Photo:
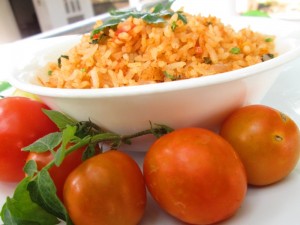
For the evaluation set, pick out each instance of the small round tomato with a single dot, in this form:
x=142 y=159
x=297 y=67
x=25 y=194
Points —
x=58 y=174
x=22 y=122
x=106 y=189
x=267 y=141
x=195 y=175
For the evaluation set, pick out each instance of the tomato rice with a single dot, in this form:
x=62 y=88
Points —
x=138 y=53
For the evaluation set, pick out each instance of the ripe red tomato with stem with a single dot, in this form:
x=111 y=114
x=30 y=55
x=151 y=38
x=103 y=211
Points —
x=267 y=141
x=106 y=189
x=22 y=122
x=195 y=175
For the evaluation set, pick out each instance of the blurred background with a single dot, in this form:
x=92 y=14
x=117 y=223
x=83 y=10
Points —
x=21 y=19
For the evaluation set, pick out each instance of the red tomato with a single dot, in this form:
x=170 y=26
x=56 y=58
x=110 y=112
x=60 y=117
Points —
x=267 y=141
x=106 y=189
x=195 y=175
x=22 y=122
x=58 y=174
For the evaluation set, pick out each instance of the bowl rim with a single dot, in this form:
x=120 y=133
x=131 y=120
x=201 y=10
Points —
x=18 y=79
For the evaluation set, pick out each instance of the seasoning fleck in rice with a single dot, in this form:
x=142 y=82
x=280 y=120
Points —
x=136 y=52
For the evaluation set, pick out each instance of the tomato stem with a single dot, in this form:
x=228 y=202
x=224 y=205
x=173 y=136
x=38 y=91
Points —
x=97 y=136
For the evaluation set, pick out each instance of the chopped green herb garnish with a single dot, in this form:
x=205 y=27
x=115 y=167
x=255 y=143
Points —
x=50 y=72
x=83 y=70
x=182 y=17
x=268 y=39
x=207 y=60
x=156 y=16
x=170 y=76
x=266 y=57
x=59 y=59
x=235 y=50
x=173 y=25
x=98 y=38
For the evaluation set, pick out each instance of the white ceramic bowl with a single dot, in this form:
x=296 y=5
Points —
x=203 y=101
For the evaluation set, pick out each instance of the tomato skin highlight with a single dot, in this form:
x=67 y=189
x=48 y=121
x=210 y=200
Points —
x=267 y=141
x=195 y=175
x=106 y=189
x=22 y=122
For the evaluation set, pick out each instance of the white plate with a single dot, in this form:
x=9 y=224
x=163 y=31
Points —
x=275 y=205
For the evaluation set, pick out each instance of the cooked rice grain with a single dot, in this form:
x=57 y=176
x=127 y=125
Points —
x=140 y=53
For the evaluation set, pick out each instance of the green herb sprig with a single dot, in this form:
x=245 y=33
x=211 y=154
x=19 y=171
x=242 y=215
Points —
x=34 y=200
x=156 y=16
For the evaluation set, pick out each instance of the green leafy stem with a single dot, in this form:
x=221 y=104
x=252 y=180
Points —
x=34 y=200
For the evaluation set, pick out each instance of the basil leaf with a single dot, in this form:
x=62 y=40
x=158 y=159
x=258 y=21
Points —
x=120 y=12
x=152 y=19
x=169 y=4
x=30 y=168
x=107 y=24
x=59 y=156
x=43 y=192
x=46 y=143
x=21 y=210
x=86 y=128
x=67 y=135
x=156 y=16
x=165 y=13
x=159 y=7
x=60 y=119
